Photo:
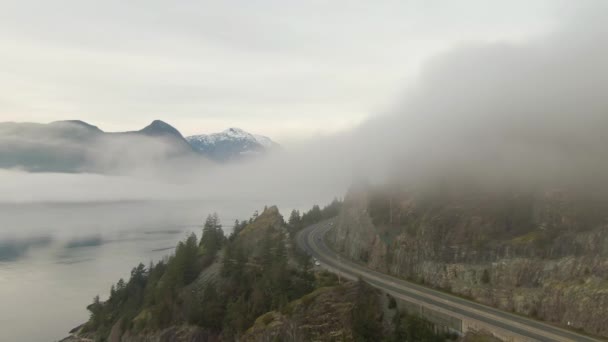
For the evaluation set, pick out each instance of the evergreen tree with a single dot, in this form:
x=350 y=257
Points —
x=120 y=285
x=236 y=319
x=294 y=219
x=212 y=239
x=213 y=313
x=367 y=324
x=191 y=266
x=96 y=313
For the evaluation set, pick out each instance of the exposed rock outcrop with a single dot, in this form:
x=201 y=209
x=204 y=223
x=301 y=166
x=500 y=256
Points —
x=323 y=315
x=543 y=255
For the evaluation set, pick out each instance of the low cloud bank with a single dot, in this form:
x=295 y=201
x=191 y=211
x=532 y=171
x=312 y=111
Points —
x=531 y=113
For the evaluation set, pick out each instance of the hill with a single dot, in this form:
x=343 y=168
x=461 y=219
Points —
x=251 y=286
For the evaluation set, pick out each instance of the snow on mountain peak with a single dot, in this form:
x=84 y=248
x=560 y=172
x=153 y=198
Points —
x=264 y=141
x=230 y=142
x=238 y=133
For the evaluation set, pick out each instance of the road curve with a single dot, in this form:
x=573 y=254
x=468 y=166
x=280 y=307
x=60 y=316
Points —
x=311 y=240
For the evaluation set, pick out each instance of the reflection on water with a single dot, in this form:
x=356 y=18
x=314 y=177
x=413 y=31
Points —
x=54 y=258
x=11 y=250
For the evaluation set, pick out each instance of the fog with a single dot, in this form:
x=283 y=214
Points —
x=528 y=114
x=532 y=112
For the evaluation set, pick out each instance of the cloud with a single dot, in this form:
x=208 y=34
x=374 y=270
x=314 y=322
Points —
x=197 y=63
x=528 y=112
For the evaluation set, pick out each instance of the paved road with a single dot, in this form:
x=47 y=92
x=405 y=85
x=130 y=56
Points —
x=312 y=240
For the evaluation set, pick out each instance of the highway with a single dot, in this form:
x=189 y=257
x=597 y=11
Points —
x=311 y=240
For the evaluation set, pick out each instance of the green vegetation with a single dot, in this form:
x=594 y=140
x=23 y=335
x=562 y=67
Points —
x=225 y=285
x=256 y=276
x=152 y=291
x=366 y=316
x=315 y=215
x=412 y=328
x=212 y=240
x=392 y=303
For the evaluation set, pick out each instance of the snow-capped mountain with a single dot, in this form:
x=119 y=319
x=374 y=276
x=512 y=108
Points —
x=231 y=144
x=75 y=146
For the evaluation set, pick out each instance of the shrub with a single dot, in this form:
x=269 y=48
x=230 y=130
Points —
x=392 y=303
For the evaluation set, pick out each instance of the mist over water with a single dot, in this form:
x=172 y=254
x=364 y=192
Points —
x=55 y=257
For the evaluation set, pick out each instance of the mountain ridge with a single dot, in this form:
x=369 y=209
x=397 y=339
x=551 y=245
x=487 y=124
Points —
x=159 y=127
x=74 y=146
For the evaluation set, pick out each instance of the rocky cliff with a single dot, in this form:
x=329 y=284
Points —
x=323 y=315
x=542 y=254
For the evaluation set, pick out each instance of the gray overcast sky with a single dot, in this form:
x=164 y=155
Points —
x=286 y=69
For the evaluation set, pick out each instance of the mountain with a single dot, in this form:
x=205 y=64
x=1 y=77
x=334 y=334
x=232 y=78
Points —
x=231 y=144
x=57 y=147
x=79 y=123
x=160 y=128
x=76 y=146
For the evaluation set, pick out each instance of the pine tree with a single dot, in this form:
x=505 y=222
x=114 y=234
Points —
x=120 y=285
x=294 y=219
x=213 y=313
x=213 y=236
x=191 y=269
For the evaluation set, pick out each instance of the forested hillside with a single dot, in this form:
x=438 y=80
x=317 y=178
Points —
x=252 y=285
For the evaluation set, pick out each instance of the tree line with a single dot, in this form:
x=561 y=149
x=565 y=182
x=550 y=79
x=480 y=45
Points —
x=315 y=215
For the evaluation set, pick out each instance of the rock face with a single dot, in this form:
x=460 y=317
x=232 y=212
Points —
x=543 y=255
x=323 y=315
x=172 y=334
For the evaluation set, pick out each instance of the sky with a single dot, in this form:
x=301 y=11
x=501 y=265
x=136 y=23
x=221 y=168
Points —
x=289 y=70
x=504 y=113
